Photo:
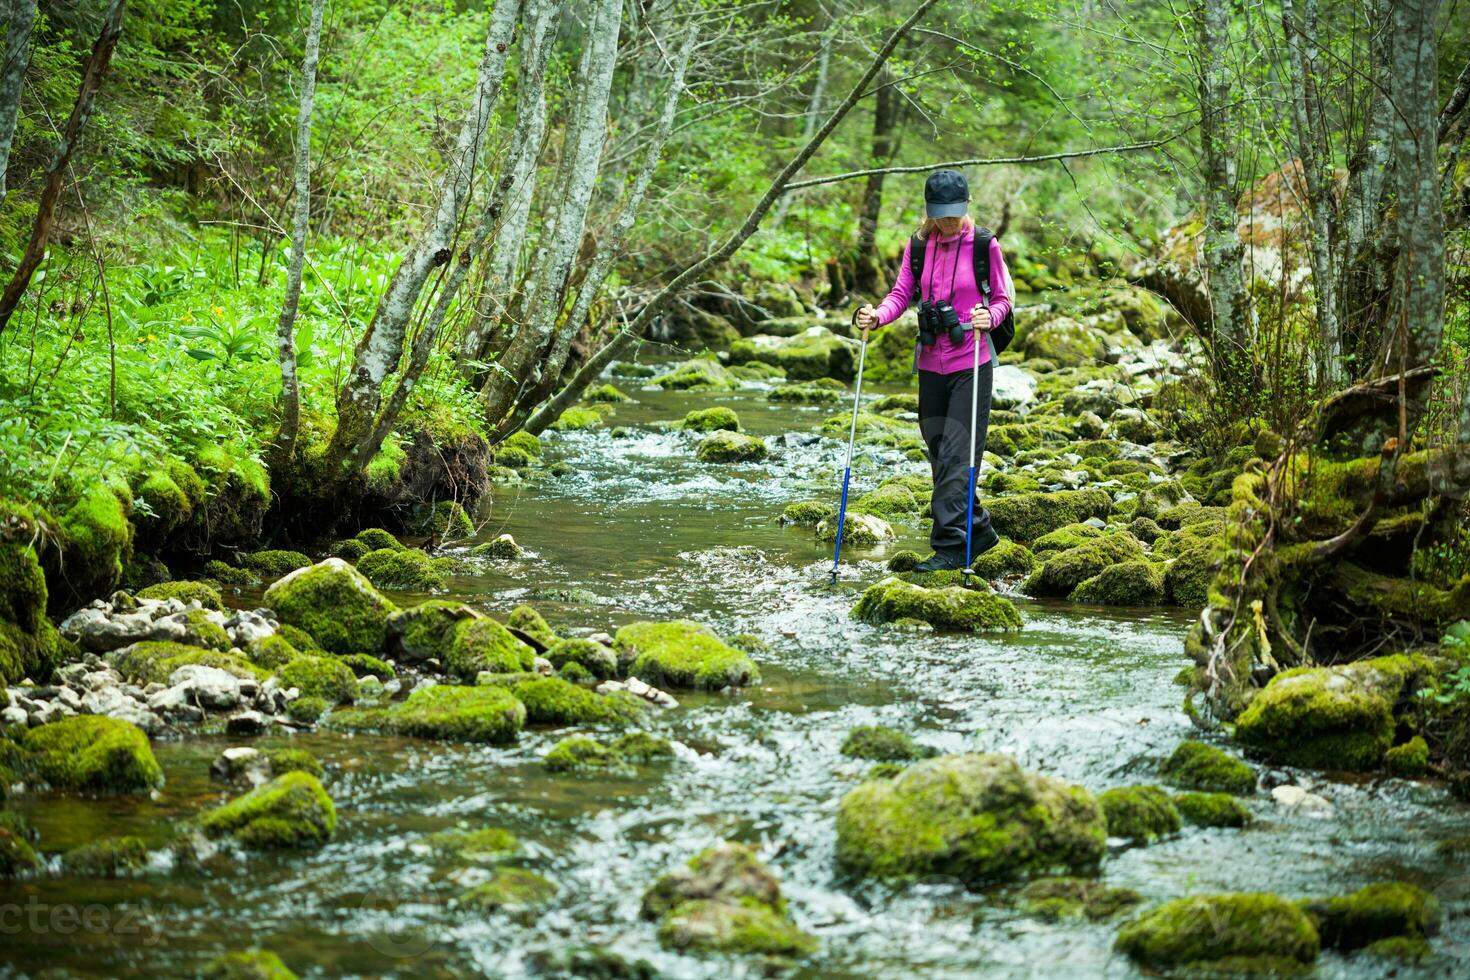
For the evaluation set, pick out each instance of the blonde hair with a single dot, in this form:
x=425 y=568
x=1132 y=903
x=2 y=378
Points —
x=927 y=226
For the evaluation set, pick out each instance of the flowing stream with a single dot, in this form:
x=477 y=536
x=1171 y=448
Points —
x=641 y=530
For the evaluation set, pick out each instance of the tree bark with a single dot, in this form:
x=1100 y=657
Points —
x=20 y=17
x=381 y=347
x=286 y=327
x=71 y=135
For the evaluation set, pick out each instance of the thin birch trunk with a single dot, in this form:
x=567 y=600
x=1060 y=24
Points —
x=594 y=365
x=20 y=17
x=813 y=114
x=286 y=327
x=381 y=347
x=55 y=178
x=553 y=265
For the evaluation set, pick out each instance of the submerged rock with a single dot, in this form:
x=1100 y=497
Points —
x=484 y=845
x=975 y=817
x=336 y=604
x=952 y=608
x=808 y=513
x=1195 y=765
x=106 y=858
x=1234 y=933
x=883 y=744
x=16 y=854
x=684 y=654
x=730 y=447
x=292 y=810
x=857 y=529
x=1059 y=898
x=1379 y=911
x=510 y=889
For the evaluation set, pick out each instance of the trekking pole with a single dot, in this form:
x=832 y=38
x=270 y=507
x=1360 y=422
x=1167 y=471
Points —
x=969 y=570
x=851 y=439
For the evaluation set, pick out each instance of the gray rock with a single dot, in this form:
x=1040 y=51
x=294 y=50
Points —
x=100 y=633
x=1096 y=522
x=236 y=761
x=13 y=715
x=798 y=439
x=246 y=626
x=247 y=723
x=1012 y=387
x=68 y=697
x=208 y=687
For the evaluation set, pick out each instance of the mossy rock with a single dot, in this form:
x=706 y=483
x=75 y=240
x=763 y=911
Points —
x=554 y=701
x=1004 y=559
x=202 y=592
x=307 y=710
x=170 y=494
x=579 y=753
x=501 y=546
x=274 y=564
x=872 y=429
x=598 y=660
x=409 y=569
x=94 y=754
x=1408 y=760
x=1129 y=583
x=1188 y=578
x=529 y=621
x=336 y=604
x=858 y=529
x=903 y=562
x=363 y=665
x=1066 y=538
x=292 y=810
x=700 y=373
x=1379 y=911
x=683 y=654
x=320 y=677
x=1139 y=813
x=106 y=858
x=229 y=576
x=96 y=541
x=252 y=964
x=1064 y=341
x=349 y=550
x=1400 y=949
x=444 y=712
x=1212 y=810
x=29 y=655
x=605 y=392
x=952 y=608
x=201 y=631
x=880 y=743
x=1330 y=717
x=642 y=747
x=485 y=845
x=299 y=638
x=820 y=391
x=293 y=760
x=16 y=854
x=376 y=538
x=1062 y=572
x=716 y=419
x=425 y=631
x=1197 y=766
x=730 y=447
x=1027 y=516
x=1228 y=929
x=239 y=494
x=154 y=661
x=977 y=818
x=890 y=500
x=739 y=929
x=510 y=889
x=1064 y=898
x=445 y=519
x=724 y=900
x=814 y=353
x=483 y=644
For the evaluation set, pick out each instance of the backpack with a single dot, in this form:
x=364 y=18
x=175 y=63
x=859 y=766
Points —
x=1002 y=333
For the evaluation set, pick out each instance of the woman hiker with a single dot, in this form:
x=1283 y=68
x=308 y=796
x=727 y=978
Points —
x=945 y=358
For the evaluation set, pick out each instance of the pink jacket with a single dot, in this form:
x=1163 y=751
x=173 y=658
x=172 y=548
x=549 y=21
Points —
x=949 y=274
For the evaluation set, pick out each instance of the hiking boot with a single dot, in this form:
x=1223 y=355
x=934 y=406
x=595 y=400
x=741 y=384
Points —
x=984 y=542
x=940 y=562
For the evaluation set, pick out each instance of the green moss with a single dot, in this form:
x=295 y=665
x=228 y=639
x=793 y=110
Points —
x=483 y=644
x=106 y=858
x=385 y=470
x=270 y=652
x=730 y=447
x=718 y=418
x=229 y=576
x=1130 y=583
x=1005 y=558
x=577 y=418
x=16 y=854
x=1330 y=717
x=299 y=638
x=292 y=810
x=1401 y=949
x=376 y=538
x=858 y=529
x=1190 y=575
x=820 y=391
x=92 y=753
x=1140 y=813
x=592 y=657
x=238 y=493
x=684 y=654
x=700 y=373
x=274 y=564
x=872 y=429
x=889 y=501
x=32 y=655
x=408 y=569
x=976 y=817
x=642 y=747
x=293 y=760
x=1065 y=538
x=154 y=661
x=459 y=714
x=485 y=845
x=605 y=392
x=307 y=710
x=1026 y=517
x=1379 y=911
x=350 y=549
x=163 y=504
x=554 y=701
x=953 y=608
x=1062 y=898
x=529 y=621
x=1195 y=765
x=96 y=540
x=1212 y=810
x=206 y=595
x=335 y=604
x=23 y=593
x=1196 y=932
x=320 y=677
x=879 y=743
x=425 y=631
x=1409 y=759
x=510 y=888
x=1063 y=571
x=580 y=753
x=904 y=561
x=363 y=665
x=254 y=964
x=733 y=927
x=445 y=519
x=808 y=513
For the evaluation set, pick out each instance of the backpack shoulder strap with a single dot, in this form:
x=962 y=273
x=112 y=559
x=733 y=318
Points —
x=917 y=246
x=980 y=252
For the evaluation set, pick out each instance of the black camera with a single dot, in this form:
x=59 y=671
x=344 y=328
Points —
x=935 y=318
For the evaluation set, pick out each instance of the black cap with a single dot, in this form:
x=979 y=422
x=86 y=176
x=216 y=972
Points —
x=946 y=194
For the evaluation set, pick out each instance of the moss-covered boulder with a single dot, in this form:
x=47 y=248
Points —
x=975 y=817
x=1064 y=341
x=808 y=513
x=952 y=608
x=106 y=858
x=532 y=623
x=483 y=644
x=485 y=845
x=858 y=529
x=730 y=447
x=1379 y=911
x=501 y=546
x=336 y=604
x=274 y=564
x=889 y=500
x=580 y=753
x=201 y=592
x=445 y=712
x=716 y=419
x=408 y=569
x=642 y=747
x=1063 y=571
x=1129 y=583
x=1195 y=765
x=94 y=754
x=683 y=654
x=249 y=964
x=819 y=391
x=1212 y=810
x=1408 y=760
x=598 y=660
x=321 y=677
x=424 y=632
x=1004 y=559
x=96 y=540
x=1331 y=717
x=814 y=353
x=882 y=744
x=230 y=577
x=1064 y=898
x=1232 y=933
x=555 y=701
x=510 y=889
x=1027 y=516
x=699 y=373
x=443 y=519
x=292 y=810
x=1065 y=538
x=724 y=900
x=154 y=661
x=1139 y=813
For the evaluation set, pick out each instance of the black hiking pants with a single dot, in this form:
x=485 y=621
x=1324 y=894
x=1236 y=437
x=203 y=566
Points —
x=944 y=425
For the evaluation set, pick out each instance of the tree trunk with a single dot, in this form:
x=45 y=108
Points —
x=20 y=17
x=286 y=327
x=813 y=112
x=578 y=174
x=886 y=113
x=381 y=347
x=71 y=135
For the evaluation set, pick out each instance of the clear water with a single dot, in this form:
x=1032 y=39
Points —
x=1082 y=693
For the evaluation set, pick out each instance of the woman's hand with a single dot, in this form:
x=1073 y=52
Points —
x=980 y=317
x=867 y=319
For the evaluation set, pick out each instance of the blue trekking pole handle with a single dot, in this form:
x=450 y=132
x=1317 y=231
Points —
x=851 y=439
